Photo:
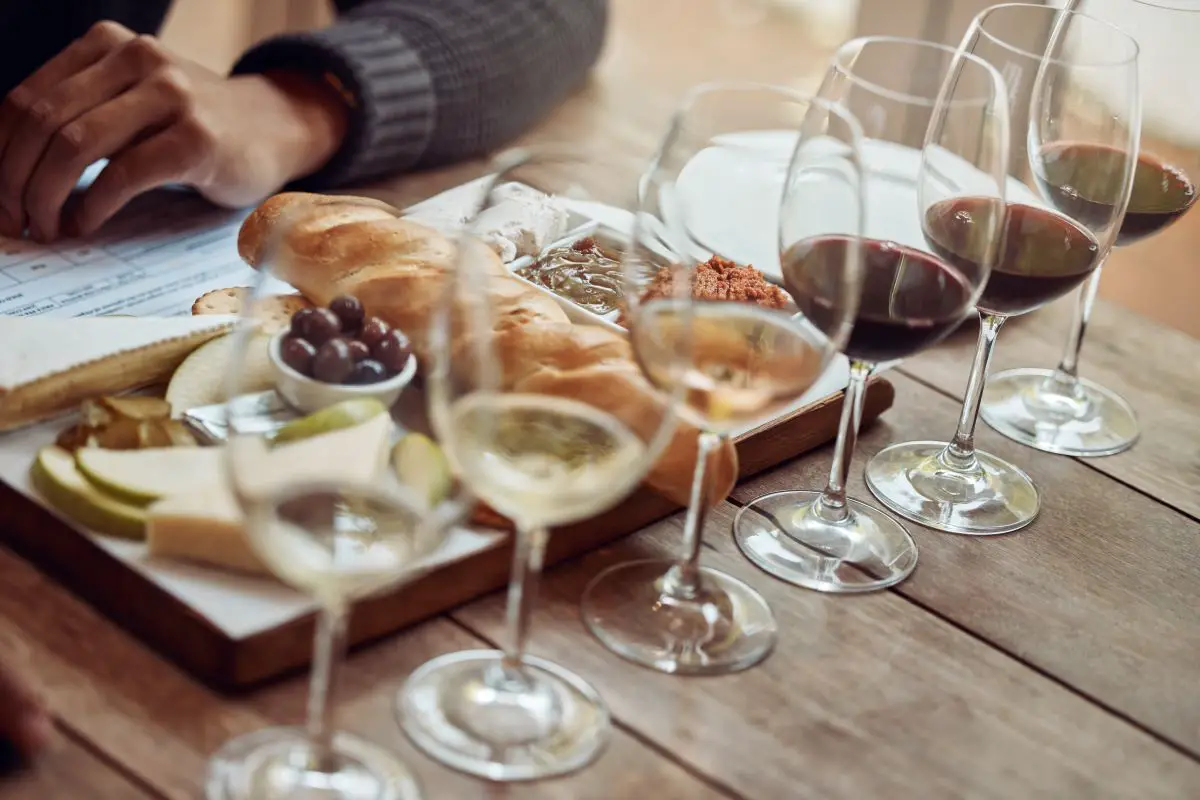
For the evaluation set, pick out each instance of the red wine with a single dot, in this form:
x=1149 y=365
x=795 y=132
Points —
x=909 y=299
x=1083 y=180
x=1042 y=255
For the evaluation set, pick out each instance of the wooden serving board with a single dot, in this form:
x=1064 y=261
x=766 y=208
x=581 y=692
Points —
x=181 y=634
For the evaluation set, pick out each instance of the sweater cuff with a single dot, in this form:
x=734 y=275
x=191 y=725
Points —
x=388 y=90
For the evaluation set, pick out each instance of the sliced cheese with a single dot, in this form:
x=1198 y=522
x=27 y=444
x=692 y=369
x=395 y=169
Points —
x=207 y=525
x=50 y=365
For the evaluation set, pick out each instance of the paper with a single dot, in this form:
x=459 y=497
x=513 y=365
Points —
x=154 y=258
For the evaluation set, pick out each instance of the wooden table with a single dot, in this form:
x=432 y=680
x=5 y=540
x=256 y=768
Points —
x=1059 y=662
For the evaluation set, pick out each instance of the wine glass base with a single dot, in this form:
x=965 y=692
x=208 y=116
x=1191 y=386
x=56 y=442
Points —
x=1095 y=421
x=913 y=480
x=466 y=711
x=726 y=627
x=278 y=764
x=782 y=535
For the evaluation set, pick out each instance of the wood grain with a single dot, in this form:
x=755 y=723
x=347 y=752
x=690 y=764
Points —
x=864 y=697
x=1101 y=591
x=1155 y=368
x=70 y=771
x=145 y=714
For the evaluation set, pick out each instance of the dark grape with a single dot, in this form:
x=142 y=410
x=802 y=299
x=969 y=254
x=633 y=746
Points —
x=368 y=371
x=321 y=326
x=358 y=350
x=349 y=311
x=393 y=351
x=297 y=353
x=333 y=363
x=373 y=331
x=300 y=321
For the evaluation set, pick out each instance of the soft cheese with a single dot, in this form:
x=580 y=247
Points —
x=49 y=365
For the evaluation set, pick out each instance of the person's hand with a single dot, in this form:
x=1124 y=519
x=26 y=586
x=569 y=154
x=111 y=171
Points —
x=159 y=119
x=24 y=720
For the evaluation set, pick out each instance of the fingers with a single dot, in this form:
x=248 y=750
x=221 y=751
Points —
x=183 y=153
x=99 y=133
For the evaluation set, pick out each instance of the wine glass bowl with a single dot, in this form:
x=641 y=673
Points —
x=546 y=420
x=324 y=510
x=934 y=126
x=1056 y=410
x=1057 y=226
x=742 y=349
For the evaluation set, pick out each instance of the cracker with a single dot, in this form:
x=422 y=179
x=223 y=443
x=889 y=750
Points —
x=275 y=311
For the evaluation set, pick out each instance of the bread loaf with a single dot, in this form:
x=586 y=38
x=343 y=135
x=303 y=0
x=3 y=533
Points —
x=327 y=246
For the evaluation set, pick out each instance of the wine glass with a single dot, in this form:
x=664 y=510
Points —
x=944 y=116
x=1056 y=410
x=547 y=420
x=1045 y=251
x=312 y=475
x=711 y=195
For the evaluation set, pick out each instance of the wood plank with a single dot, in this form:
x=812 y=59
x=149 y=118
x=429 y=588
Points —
x=145 y=714
x=864 y=697
x=70 y=771
x=1100 y=592
x=1155 y=368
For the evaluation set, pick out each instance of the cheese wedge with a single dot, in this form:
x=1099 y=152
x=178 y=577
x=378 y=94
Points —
x=49 y=365
x=207 y=525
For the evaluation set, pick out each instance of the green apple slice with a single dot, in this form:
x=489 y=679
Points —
x=421 y=465
x=140 y=477
x=55 y=476
x=345 y=414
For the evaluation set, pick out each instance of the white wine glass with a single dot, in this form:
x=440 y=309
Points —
x=547 y=420
x=1056 y=410
x=955 y=142
x=712 y=194
x=323 y=506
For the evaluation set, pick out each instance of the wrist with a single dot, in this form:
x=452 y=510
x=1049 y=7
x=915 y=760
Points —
x=311 y=122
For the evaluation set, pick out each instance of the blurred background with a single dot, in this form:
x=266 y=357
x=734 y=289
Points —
x=658 y=48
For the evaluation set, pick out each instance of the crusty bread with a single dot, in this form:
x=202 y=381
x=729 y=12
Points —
x=327 y=246
x=274 y=312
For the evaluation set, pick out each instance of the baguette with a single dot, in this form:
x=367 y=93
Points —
x=395 y=267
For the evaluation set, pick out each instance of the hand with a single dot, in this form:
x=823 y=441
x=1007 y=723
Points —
x=23 y=717
x=159 y=119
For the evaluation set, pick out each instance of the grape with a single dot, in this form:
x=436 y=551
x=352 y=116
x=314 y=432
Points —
x=393 y=351
x=358 y=350
x=333 y=363
x=297 y=354
x=300 y=321
x=321 y=326
x=348 y=311
x=373 y=331
x=368 y=371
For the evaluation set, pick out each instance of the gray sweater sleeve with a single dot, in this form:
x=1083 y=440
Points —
x=433 y=81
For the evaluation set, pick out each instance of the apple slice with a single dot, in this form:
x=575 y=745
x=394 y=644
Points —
x=201 y=379
x=140 y=477
x=55 y=476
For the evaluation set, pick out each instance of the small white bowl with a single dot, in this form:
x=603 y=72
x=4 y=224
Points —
x=310 y=395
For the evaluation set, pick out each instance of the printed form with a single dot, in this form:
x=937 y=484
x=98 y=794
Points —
x=155 y=258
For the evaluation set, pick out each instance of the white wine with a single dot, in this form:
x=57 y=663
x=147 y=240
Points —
x=543 y=460
x=736 y=362
x=338 y=544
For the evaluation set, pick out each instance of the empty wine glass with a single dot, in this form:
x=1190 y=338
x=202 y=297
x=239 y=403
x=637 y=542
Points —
x=323 y=507
x=549 y=422
x=711 y=193
x=934 y=118
x=1045 y=250
x=1056 y=410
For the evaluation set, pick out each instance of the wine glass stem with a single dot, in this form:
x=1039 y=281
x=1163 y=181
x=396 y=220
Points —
x=529 y=554
x=1068 y=368
x=683 y=579
x=328 y=652
x=831 y=505
x=960 y=452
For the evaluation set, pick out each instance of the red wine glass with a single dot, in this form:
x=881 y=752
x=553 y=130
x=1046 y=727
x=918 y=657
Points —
x=935 y=126
x=1056 y=410
x=1046 y=249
